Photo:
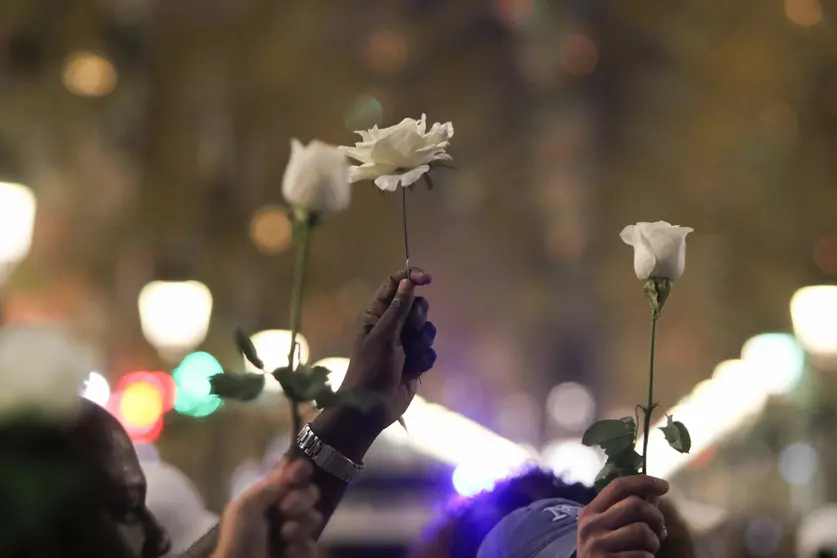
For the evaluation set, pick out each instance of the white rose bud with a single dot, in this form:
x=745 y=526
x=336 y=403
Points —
x=659 y=249
x=401 y=154
x=317 y=178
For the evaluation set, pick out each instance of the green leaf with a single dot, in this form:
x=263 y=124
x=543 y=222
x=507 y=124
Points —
x=296 y=385
x=246 y=347
x=609 y=473
x=677 y=435
x=612 y=435
x=319 y=375
x=242 y=387
x=627 y=459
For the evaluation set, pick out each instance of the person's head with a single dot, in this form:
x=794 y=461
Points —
x=465 y=526
x=75 y=488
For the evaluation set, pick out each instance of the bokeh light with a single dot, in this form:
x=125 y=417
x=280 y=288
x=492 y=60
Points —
x=798 y=463
x=804 y=13
x=469 y=479
x=573 y=461
x=762 y=536
x=825 y=254
x=338 y=366
x=814 y=314
x=578 y=55
x=175 y=314
x=89 y=75
x=777 y=359
x=96 y=389
x=17 y=220
x=193 y=388
x=365 y=112
x=571 y=406
x=386 y=52
x=141 y=406
x=271 y=230
x=515 y=13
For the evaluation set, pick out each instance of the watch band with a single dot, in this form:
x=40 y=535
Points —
x=326 y=457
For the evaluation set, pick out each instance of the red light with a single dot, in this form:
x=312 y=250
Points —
x=151 y=436
x=169 y=387
x=140 y=400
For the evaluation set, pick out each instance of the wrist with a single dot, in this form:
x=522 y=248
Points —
x=347 y=430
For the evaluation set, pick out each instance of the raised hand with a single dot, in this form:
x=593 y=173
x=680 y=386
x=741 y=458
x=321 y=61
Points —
x=394 y=346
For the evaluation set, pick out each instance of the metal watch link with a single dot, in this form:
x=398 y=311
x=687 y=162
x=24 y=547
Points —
x=326 y=457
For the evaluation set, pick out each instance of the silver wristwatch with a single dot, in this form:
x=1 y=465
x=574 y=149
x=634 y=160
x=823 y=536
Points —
x=326 y=457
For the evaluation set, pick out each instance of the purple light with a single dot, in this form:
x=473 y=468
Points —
x=471 y=479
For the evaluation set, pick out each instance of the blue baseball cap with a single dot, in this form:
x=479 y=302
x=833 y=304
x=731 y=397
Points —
x=545 y=529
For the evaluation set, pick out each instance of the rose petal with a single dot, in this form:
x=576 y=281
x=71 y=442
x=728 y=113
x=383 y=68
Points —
x=359 y=154
x=369 y=171
x=390 y=182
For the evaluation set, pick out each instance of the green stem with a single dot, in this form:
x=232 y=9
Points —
x=650 y=408
x=303 y=246
x=404 y=224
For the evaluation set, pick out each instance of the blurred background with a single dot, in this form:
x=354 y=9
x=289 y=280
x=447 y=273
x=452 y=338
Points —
x=142 y=145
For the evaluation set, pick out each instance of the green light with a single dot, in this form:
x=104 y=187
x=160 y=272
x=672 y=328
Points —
x=192 y=378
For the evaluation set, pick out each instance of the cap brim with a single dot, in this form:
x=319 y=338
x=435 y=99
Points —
x=562 y=547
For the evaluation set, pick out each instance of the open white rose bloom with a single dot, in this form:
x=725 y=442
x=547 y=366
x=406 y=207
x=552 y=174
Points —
x=399 y=155
x=317 y=178
x=42 y=372
x=659 y=249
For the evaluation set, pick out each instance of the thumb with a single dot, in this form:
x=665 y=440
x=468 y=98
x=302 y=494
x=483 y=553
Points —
x=395 y=316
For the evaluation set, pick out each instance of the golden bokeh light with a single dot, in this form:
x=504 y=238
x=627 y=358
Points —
x=825 y=254
x=386 y=52
x=89 y=75
x=271 y=230
x=578 y=55
x=805 y=13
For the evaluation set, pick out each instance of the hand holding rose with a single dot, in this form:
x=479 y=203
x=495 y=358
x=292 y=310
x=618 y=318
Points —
x=621 y=522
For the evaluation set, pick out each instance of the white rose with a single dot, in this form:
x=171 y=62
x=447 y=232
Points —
x=42 y=372
x=317 y=178
x=400 y=154
x=659 y=249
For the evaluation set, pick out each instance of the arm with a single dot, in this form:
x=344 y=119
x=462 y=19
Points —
x=349 y=432
x=393 y=349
